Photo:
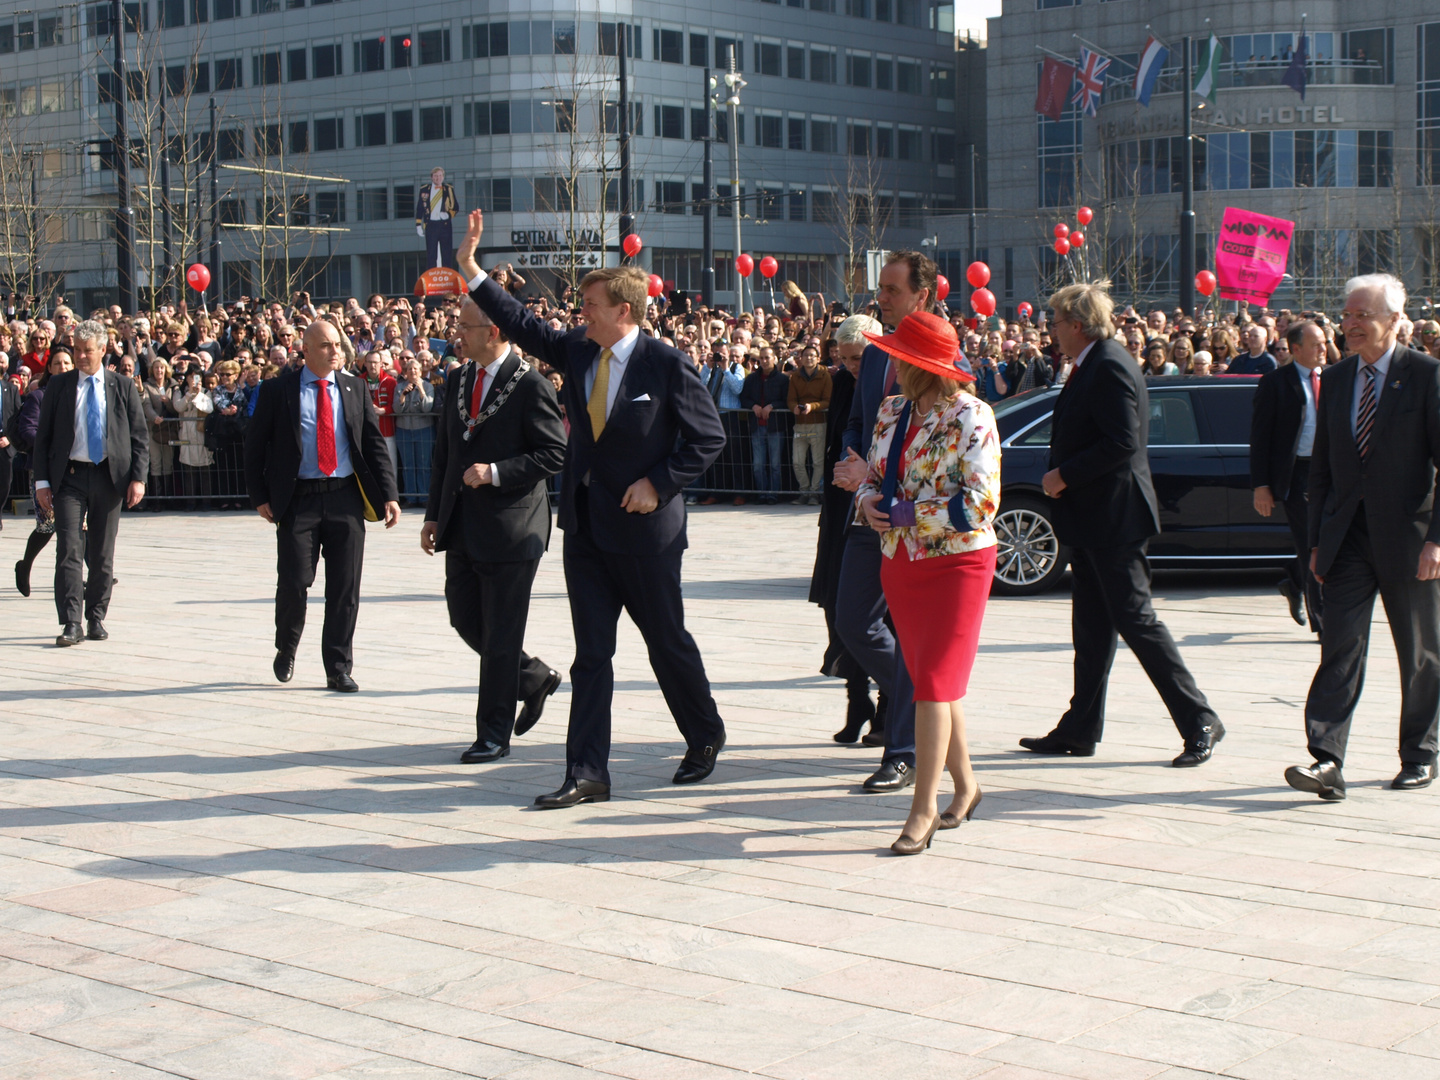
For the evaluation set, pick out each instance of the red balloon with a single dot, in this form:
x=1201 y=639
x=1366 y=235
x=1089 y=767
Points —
x=768 y=267
x=978 y=274
x=1084 y=214
x=1076 y=238
x=1061 y=231
x=942 y=286
x=657 y=285
x=983 y=301
x=1062 y=246
x=1205 y=282
x=744 y=265
x=1025 y=309
x=198 y=275
x=632 y=245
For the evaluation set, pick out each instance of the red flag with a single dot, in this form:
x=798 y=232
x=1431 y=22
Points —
x=1055 y=80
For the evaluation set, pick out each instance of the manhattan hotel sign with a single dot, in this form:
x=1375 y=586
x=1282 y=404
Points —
x=1257 y=116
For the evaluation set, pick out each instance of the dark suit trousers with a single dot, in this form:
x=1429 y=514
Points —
x=1111 y=599
x=84 y=492
x=647 y=587
x=331 y=523
x=439 y=244
x=1297 y=509
x=860 y=611
x=489 y=603
x=1413 y=610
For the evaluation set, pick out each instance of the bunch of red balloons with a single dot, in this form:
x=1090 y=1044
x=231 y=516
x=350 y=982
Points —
x=1066 y=239
x=982 y=299
x=745 y=266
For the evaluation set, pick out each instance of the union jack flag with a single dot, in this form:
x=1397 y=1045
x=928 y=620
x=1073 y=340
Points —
x=1090 y=77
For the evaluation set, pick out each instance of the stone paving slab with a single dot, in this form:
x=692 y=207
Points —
x=206 y=874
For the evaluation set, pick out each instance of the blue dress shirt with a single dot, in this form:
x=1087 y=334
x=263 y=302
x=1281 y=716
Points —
x=309 y=461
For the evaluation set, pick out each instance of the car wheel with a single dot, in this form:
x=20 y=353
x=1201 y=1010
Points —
x=1030 y=558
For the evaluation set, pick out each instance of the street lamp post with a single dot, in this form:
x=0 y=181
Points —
x=1187 y=194
x=124 y=216
x=707 y=205
x=733 y=85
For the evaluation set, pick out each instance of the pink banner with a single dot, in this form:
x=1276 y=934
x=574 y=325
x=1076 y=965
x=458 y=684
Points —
x=1251 y=255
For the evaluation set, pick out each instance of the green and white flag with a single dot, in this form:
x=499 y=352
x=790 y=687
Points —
x=1209 y=70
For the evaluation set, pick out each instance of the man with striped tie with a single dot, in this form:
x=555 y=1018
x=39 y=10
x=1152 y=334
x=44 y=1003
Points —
x=1373 y=529
x=643 y=429
x=316 y=468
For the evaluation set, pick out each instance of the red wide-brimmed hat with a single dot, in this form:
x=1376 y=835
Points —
x=928 y=342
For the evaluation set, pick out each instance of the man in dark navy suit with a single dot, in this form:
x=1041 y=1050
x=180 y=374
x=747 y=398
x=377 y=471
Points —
x=907 y=282
x=643 y=428
x=1282 y=438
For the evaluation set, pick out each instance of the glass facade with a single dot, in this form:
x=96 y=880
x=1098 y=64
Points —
x=1250 y=160
x=1427 y=105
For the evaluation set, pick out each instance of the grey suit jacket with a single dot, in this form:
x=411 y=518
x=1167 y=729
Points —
x=1396 y=481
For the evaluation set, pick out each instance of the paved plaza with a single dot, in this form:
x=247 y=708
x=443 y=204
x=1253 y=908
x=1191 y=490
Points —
x=207 y=874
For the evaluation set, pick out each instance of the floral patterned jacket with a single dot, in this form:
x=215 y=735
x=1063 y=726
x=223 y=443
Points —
x=955 y=453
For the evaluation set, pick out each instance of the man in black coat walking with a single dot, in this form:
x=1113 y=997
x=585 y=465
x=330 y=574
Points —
x=500 y=438
x=643 y=429
x=1373 y=528
x=1282 y=439
x=316 y=467
x=92 y=451
x=1105 y=510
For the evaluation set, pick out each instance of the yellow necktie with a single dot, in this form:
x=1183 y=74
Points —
x=598 y=392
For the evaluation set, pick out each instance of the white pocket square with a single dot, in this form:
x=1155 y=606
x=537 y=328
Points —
x=642 y=397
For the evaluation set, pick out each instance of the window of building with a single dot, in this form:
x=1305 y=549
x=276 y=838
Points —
x=200 y=78
x=225 y=9
x=299 y=136
x=435 y=123
x=795 y=133
x=404 y=125
x=827 y=6
x=669 y=46
x=404 y=202
x=401 y=47
x=767 y=57
x=857 y=69
x=295 y=65
x=372 y=204
x=176 y=80
x=267 y=140
x=434 y=47
x=669 y=122
x=609 y=38
x=330 y=133
x=795 y=206
x=1427 y=111
x=823 y=136
x=325 y=62
x=227 y=74
x=265 y=69
x=171 y=13
x=699 y=124
x=199 y=11
x=907 y=77
x=907 y=143
x=262 y=7
x=822 y=65
x=770 y=131
x=794 y=61
x=232 y=212
x=723 y=47
x=564 y=38
x=231 y=144
x=699 y=50
x=329 y=207
x=942 y=81
x=942 y=147
x=670 y=196
x=825 y=207
x=370 y=55
x=370 y=129
x=884 y=73
x=884 y=142
x=859 y=140
x=1059 y=148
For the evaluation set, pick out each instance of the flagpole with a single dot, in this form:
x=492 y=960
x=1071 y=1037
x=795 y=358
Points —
x=1187 y=192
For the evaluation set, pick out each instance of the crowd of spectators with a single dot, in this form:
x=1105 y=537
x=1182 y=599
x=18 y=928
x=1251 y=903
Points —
x=768 y=369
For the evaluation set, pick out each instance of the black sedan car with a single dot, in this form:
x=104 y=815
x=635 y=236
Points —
x=1200 y=461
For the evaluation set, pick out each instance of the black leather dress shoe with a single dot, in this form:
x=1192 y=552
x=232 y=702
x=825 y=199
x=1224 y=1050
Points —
x=1199 y=749
x=573 y=793
x=73 y=634
x=1413 y=776
x=482 y=751
x=22 y=577
x=1296 y=599
x=95 y=630
x=1323 y=778
x=284 y=666
x=696 y=765
x=342 y=682
x=535 y=704
x=1056 y=744
x=891 y=776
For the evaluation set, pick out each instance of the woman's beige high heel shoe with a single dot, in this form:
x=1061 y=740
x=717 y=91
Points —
x=952 y=821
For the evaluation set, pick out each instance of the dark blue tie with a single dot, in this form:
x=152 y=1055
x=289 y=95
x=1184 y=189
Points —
x=94 y=429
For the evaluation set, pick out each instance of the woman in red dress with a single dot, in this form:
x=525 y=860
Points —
x=932 y=493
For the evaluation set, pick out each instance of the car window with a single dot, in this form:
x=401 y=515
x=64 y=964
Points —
x=1172 y=420
x=1039 y=435
x=1228 y=409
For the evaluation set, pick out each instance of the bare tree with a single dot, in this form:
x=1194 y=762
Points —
x=861 y=214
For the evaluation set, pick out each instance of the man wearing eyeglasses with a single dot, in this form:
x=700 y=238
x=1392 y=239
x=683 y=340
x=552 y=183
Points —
x=1372 y=530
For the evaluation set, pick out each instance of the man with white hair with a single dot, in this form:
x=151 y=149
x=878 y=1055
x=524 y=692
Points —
x=1373 y=529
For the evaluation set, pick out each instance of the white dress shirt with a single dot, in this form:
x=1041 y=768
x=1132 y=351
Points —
x=1382 y=369
x=80 y=448
x=1081 y=358
x=437 y=204
x=487 y=376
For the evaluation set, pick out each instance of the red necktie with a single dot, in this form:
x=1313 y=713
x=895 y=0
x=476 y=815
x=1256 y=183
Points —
x=1315 y=383
x=324 y=429
x=477 y=394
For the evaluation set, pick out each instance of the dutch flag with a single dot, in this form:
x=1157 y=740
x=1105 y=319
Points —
x=1152 y=59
